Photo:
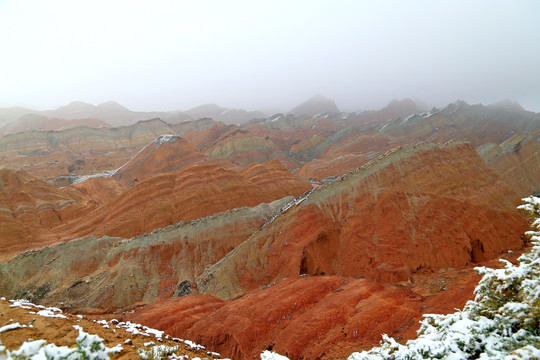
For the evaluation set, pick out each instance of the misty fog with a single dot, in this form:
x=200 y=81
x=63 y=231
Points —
x=168 y=55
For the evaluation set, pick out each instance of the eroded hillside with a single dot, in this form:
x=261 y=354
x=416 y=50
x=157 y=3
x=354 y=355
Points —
x=310 y=233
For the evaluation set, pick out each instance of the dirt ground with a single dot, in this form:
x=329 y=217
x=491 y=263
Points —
x=60 y=331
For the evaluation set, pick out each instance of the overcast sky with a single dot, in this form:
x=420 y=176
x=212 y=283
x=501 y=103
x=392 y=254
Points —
x=167 y=55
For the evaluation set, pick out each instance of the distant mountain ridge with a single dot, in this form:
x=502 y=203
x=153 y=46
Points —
x=228 y=116
x=110 y=111
x=314 y=106
x=113 y=114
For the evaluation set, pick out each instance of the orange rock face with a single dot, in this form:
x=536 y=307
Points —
x=29 y=211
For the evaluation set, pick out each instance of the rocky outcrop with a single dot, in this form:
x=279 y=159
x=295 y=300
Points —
x=107 y=274
x=345 y=151
x=275 y=179
x=517 y=161
x=204 y=139
x=413 y=209
x=168 y=153
x=242 y=147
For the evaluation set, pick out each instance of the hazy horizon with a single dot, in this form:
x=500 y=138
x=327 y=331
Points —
x=270 y=56
x=268 y=112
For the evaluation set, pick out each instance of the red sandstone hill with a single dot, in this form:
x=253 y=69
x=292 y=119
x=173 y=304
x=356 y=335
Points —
x=110 y=111
x=478 y=124
x=233 y=143
x=345 y=151
x=99 y=191
x=228 y=116
x=349 y=148
x=204 y=139
x=411 y=210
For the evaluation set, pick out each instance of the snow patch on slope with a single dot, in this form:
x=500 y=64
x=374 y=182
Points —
x=270 y=355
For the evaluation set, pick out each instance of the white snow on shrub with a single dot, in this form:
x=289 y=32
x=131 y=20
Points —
x=192 y=345
x=503 y=322
x=157 y=352
x=271 y=355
